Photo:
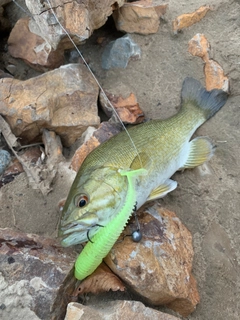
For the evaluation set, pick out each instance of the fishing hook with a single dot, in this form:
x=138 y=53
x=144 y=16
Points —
x=96 y=225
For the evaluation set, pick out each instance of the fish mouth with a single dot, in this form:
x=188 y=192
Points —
x=73 y=233
x=71 y=227
x=74 y=239
x=76 y=231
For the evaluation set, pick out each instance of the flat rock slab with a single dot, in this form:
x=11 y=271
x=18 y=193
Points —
x=36 y=276
x=142 y=17
x=115 y=310
x=63 y=100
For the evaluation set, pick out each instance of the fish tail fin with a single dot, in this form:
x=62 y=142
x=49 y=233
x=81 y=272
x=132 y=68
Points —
x=208 y=102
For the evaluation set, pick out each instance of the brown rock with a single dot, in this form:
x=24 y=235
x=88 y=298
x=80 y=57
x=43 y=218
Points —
x=114 y=310
x=127 y=108
x=159 y=267
x=105 y=131
x=140 y=16
x=188 y=19
x=79 y=18
x=199 y=46
x=25 y=44
x=214 y=74
x=36 y=276
x=215 y=77
x=63 y=100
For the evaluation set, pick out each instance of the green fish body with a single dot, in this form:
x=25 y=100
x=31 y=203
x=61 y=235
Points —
x=161 y=147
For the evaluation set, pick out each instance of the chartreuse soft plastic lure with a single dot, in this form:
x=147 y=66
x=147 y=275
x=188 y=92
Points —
x=102 y=242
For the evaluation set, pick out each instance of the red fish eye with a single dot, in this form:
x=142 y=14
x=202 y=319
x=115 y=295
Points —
x=81 y=201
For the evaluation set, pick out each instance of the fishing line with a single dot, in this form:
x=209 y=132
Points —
x=19 y=6
x=93 y=75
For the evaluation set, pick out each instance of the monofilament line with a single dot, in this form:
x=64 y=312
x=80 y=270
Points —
x=18 y=5
x=100 y=87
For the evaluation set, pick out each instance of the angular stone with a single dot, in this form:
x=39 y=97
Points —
x=214 y=74
x=5 y=74
x=5 y=159
x=79 y=18
x=128 y=108
x=159 y=267
x=140 y=16
x=118 y=53
x=199 y=46
x=28 y=45
x=215 y=77
x=36 y=276
x=114 y=310
x=188 y=19
x=105 y=131
x=63 y=100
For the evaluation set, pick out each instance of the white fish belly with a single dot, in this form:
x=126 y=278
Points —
x=159 y=174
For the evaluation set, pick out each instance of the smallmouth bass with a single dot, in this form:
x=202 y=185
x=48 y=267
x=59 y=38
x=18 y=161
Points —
x=99 y=190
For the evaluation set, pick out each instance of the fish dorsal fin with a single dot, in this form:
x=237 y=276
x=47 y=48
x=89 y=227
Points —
x=159 y=192
x=142 y=160
x=201 y=150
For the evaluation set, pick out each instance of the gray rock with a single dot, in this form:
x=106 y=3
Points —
x=36 y=276
x=5 y=158
x=118 y=53
x=114 y=310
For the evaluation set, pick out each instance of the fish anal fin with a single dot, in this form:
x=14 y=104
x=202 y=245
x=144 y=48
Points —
x=142 y=160
x=160 y=192
x=201 y=150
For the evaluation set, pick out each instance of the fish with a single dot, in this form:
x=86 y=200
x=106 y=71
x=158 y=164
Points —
x=161 y=147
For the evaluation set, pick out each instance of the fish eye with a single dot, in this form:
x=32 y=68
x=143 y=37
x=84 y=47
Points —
x=81 y=200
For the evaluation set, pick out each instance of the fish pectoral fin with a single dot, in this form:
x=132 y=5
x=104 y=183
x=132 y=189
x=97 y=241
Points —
x=160 y=192
x=201 y=150
x=142 y=160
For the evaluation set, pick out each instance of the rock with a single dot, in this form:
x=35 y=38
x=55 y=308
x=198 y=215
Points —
x=63 y=100
x=5 y=75
x=118 y=53
x=36 y=276
x=30 y=155
x=5 y=159
x=215 y=77
x=79 y=18
x=114 y=310
x=214 y=74
x=188 y=19
x=30 y=46
x=41 y=41
x=4 y=22
x=105 y=131
x=140 y=16
x=159 y=267
x=199 y=46
x=127 y=108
